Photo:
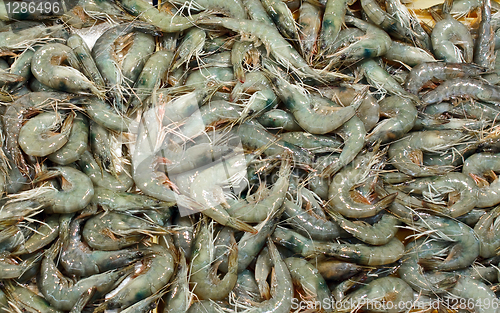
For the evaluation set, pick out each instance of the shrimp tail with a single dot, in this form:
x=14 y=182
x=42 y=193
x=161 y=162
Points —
x=46 y=176
x=386 y=201
x=239 y=225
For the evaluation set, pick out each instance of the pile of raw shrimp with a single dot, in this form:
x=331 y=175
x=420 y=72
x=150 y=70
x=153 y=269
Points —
x=249 y=156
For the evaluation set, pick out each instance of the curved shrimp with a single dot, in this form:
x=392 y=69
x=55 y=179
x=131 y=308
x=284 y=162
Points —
x=435 y=282
x=459 y=87
x=487 y=229
x=77 y=191
x=339 y=195
x=177 y=299
x=462 y=189
x=481 y=165
x=37 y=137
x=155 y=273
x=49 y=67
x=379 y=233
x=407 y=154
x=446 y=35
x=207 y=285
x=62 y=293
x=77 y=142
x=478 y=292
x=78 y=259
x=262 y=99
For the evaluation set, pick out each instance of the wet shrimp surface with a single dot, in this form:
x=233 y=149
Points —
x=250 y=156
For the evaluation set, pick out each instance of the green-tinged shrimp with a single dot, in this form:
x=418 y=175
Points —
x=484 y=48
x=406 y=54
x=101 y=178
x=77 y=191
x=238 y=54
x=152 y=74
x=459 y=87
x=282 y=17
x=401 y=116
x=207 y=285
x=463 y=245
x=344 y=95
x=460 y=188
x=431 y=282
x=386 y=293
x=379 y=233
x=100 y=144
x=77 y=142
x=378 y=77
x=281 y=288
x=126 y=202
x=44 y=235
x=246 y=289
x=82 y=52
x=469 y=289
x=256 y=12
x=256 y=208
x=279 y=119
x=57 y=66
x=137 y=53
x=339 y=194
x=422 y=73
x=11 y=269
x=78 y=259
x=11 y=238
x=314 y=143
x=155 y=273
x=309 y=25
x=262 y=95
x=62 y=293
x=102 y=113
x=115 y=230
x=407 y=154
x=22 y=64
x=38 y=138
x=178 y=299
x=416 y=35
x=191 y=44
x=164 y=21
x=309 y=279
x=184 y=234
x=21 y=39
x=333 y=19
x=487 y=229
x=283 y=52
x=23 y=299
x=309 y=224
x=447 y=34
x=313 y=116
x=481 y=165
x=374 y=43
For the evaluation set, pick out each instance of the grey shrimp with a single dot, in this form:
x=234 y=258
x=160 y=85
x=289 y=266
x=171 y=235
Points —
x=459 y=87
x=462 y=188
x=62 y=293
x=48 y=66
x=484 y=49
x=310 y=25
x=401 y=116
x=446 y=35
x=207 y=285
x=435 y=282
x=78 y=259
x=479 y=166
x=77 y=142
x=333 y=18
x=422 y=73
x=487 y=229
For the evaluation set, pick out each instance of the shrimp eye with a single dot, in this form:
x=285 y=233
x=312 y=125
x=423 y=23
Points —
x=416 y=217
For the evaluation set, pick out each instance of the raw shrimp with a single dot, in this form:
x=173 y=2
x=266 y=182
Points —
x=44 y=235
x=339 y=194
x=333 y=19
x=87 y=63
x=22 y=298
x=77 y=142
x=458 y=87
x=487 y=229
x=56 y=66
x=407 y=153
x=469 y=289
x=447 y=34
x=401 y=114
x=261 y=100
x=78 y=259
x=126 y=202
x=282 y=17
x=481 y=165
x=461 y=189
x=155 y=273
x=388 y=292
x=308 y=277
x=310 y=25
x=379 y=233
x=484 y=48
x=333 y=269
x=37 y=136
x=435 y=282
x=62 y=293
x=113 y=230
x=406 y=54
x=177 y=300
x=208 y=286
x=314 y=117
x=77 y=191
x=279 y=119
